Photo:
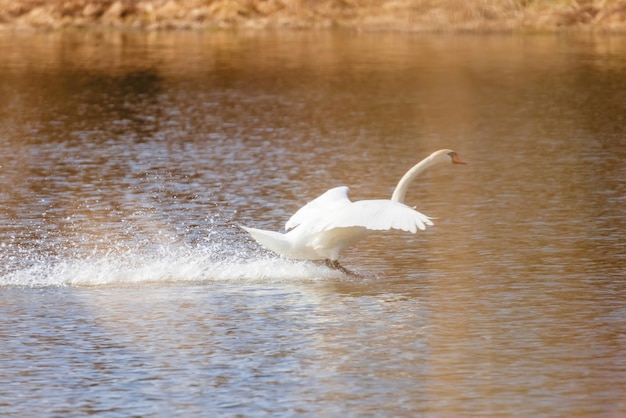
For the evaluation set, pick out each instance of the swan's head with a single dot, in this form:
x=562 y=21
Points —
x=444 y=155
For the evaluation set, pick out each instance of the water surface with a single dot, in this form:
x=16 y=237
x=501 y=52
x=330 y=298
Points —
x=127 y=288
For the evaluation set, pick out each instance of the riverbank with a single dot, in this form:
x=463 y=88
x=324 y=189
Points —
x=365 y=15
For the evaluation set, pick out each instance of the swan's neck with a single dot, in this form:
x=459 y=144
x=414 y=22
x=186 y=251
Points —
x=403 y=185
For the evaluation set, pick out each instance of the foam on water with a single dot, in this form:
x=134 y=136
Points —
x=161 y=264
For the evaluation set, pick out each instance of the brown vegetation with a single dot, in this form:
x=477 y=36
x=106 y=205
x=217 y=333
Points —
x=405 y=15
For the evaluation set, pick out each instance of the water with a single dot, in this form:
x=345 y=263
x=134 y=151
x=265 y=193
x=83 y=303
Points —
x=129 y=160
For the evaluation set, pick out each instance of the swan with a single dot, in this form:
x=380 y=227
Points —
x=323 y=228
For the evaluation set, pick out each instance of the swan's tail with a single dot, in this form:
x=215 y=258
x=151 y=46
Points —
x=274 y=241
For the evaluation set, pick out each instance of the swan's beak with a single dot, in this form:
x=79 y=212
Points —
x=456 y=159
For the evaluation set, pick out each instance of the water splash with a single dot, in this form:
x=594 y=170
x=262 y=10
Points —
x=167 y=264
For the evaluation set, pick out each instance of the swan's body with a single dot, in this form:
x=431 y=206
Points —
x=326 y=226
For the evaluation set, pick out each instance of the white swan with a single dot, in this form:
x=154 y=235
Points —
x=326 y=226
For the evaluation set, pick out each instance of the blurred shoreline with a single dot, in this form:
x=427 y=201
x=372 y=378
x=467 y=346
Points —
x=360 y=15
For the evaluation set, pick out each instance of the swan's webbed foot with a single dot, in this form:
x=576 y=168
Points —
x=334 y=264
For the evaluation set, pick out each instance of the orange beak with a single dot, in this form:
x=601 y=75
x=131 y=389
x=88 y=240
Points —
x=456 y=159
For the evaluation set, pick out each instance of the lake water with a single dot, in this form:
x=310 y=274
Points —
x=130 y=159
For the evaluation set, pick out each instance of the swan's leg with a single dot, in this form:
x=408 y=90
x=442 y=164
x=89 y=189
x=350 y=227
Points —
x=334 y=264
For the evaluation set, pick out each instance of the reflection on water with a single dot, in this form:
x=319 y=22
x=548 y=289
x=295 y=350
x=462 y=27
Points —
x=130 y=159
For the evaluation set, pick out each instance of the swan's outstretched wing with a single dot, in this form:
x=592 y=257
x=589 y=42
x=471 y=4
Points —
x=330 y=201
x=376 y=215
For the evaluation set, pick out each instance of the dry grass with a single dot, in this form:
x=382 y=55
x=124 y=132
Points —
x=405 y=15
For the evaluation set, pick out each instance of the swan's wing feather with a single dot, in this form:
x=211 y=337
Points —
x=377 y=215
x=331 y=200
